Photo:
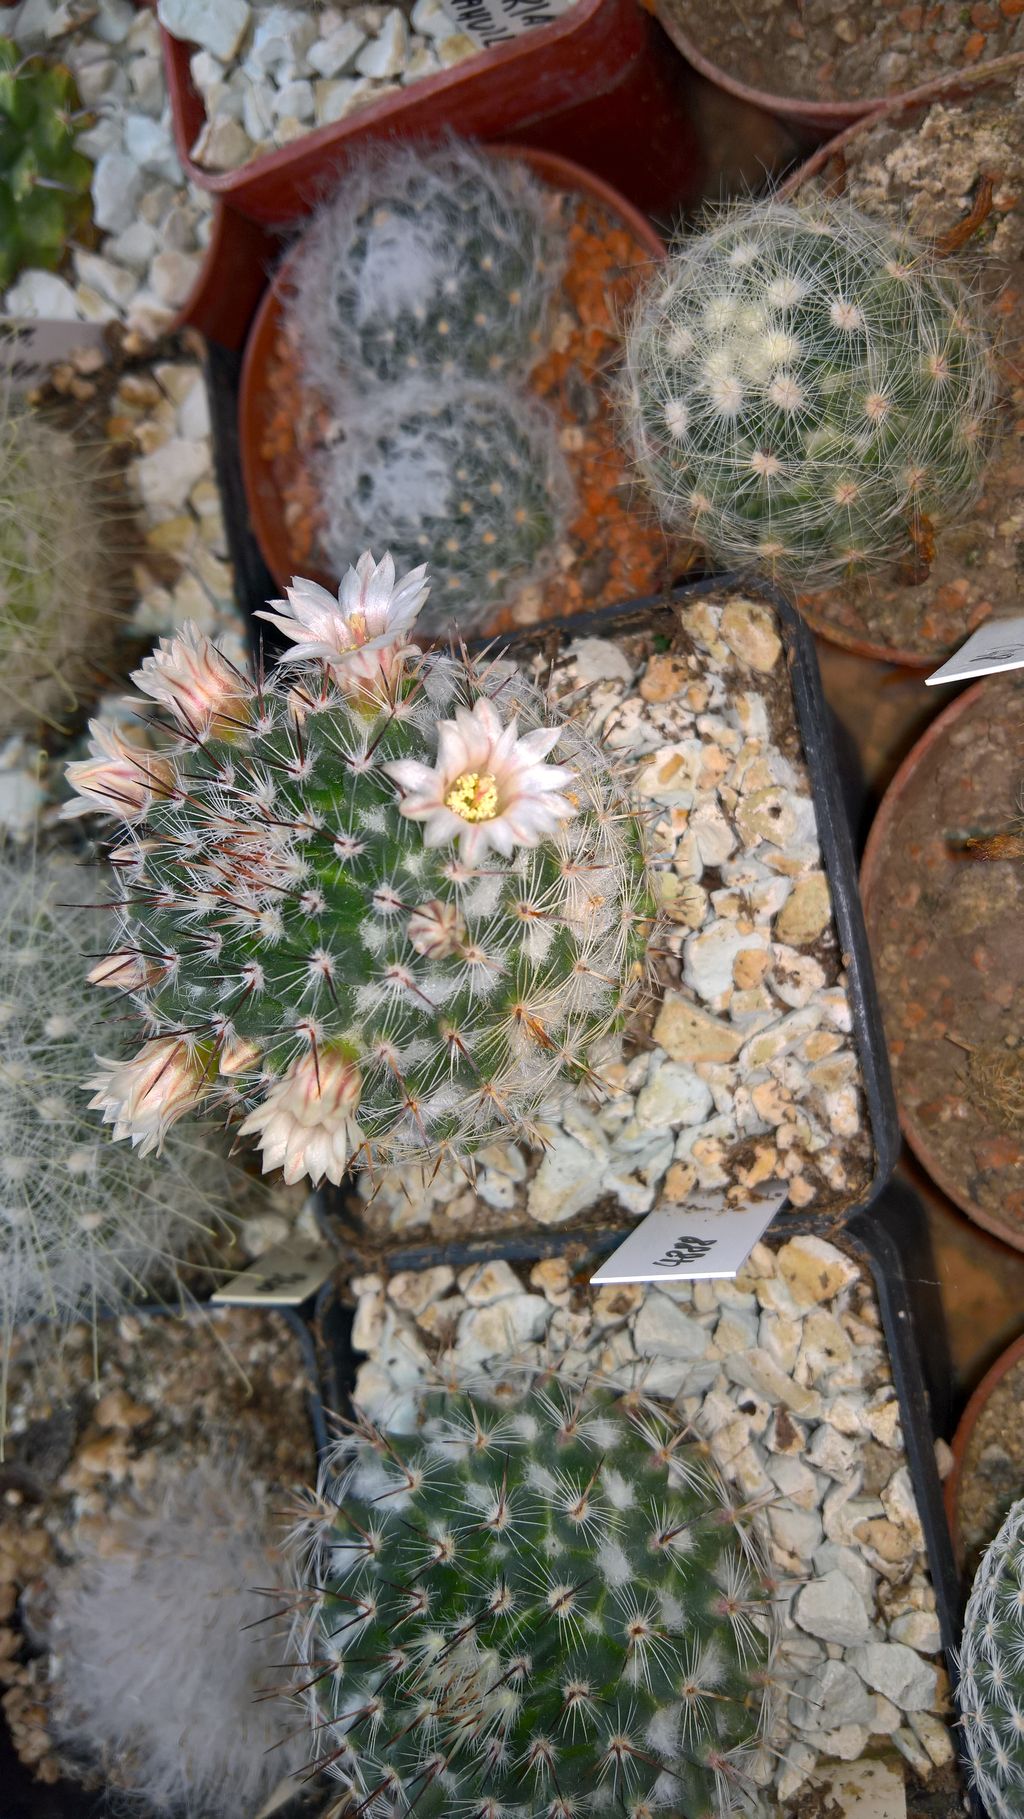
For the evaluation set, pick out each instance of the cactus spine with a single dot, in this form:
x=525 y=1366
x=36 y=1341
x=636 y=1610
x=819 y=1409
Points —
x=992 y=1672
x=807 y=391
x=542 y=1603
x=44 y=179
x=369 y=931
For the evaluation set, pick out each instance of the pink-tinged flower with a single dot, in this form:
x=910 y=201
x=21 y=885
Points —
x=119 y=779
x=306 y=1123
x=189 y=676
x=363 y=631
x=125 y=971
x=488 y=787
x=143 y=1097
x=436 y=929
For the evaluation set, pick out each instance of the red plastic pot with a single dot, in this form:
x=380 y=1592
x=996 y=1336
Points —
x=602 y=84
x=245 y=252
x=266 y=507
x=965 y=1430
x=812 y=115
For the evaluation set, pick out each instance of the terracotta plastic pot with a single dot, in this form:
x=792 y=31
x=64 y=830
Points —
x=237 y=264
x=602 y=84
x=812 y=115
x=884 y=829
x=266 y=507
x=966 y=1426
x=862 y=647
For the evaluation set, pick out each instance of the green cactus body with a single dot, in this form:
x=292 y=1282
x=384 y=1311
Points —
x=426 y=263
x=992 y=1672
x=472 y=482
x=44 y=179
x=806 y=389
x=540 y=1605
x=288 y=927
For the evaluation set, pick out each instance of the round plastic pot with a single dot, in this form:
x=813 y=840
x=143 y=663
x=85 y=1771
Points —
x=965 y=1430
x=266 y=507
x=602 y=83
x=815 y=116
x=884 y=829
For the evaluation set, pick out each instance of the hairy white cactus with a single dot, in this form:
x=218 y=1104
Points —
x=806 y=390
x=992 y=1672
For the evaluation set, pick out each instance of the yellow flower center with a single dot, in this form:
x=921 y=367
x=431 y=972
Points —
x=473 y=796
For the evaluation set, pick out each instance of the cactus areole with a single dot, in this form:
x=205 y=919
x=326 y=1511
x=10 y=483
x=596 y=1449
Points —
x=543 y=1604
x=377 y=905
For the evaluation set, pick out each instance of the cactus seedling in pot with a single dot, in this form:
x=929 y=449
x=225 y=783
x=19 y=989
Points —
x=992 y=1672
x=473 y=484
x=541 y=1603
x=807 y=392
x=379 y=905
x=44 y=178
x=426 y=263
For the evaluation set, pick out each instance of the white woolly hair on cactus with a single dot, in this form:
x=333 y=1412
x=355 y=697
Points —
x=806 y=390
x=470 y=480
x=161 y=1656
x=426 y=261
x=991 y=1663
x=362 y=910
x=84 y=1226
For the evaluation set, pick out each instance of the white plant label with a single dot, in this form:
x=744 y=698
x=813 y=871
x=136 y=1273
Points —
x=996 y=645
x=29 y=349
x=706 y=1237
x=490 y=22
x=284 y=1276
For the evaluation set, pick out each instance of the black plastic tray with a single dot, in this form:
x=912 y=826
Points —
x=891 y=1242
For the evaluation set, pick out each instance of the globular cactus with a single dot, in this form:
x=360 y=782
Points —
x=60 y=595
x=807 y=391
x=425 y=263
x=83 y=1225
x=360 y=910
x=542 y=1603
x=992 y=1672
x=44 y=178
x=470 y=481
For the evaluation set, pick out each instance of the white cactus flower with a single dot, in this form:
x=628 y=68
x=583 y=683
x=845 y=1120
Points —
x=144 y=1096
x=120 y=778
x=489 y=788
x=194 y=680
x=373 y=613
x=306 y=1124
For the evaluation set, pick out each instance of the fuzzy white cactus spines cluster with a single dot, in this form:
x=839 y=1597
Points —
x=427 y=262
x=542 y=1602
x=378 y=905
x=469 y=479
x=83 y=1225
x=807 y=391
x=992 y=1672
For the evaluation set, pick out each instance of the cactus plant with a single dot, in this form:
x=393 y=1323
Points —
x=370 y=931
x=60 y=595
x=82 y=1226
x=44 y=179
x=471 y=482
x=543 y=1602
x=807 y=391
x=992 y=1672
x=427 y=263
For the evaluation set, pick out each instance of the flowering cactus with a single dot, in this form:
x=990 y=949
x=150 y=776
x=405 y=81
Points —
x=367 y=930
x=472 y=483
x=427 y=263
x=992 y=1672
x=806 y=391
x=542 y=1603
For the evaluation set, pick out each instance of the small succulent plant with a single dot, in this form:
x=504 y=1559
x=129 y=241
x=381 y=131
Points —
x=543 y=1602
x=60 y=596
x=471 y=482
x=992 y=1672
x=83 y=1225
x=807 y=391
x=361 y=911
x=426 y=263
x=44 y=178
